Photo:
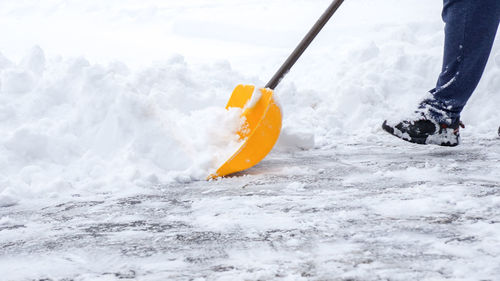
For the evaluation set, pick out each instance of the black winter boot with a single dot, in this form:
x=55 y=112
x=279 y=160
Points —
x=424 y=130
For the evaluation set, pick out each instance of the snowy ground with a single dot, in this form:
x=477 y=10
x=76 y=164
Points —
x=111 y=117
x=370 y=212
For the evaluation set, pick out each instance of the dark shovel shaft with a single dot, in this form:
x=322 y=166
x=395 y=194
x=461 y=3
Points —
x=292 y=59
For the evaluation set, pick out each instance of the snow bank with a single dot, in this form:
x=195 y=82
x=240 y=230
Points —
x=69 y=126
x=349 y=88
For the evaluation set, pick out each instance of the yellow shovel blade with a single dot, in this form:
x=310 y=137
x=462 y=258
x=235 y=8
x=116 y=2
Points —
x=260 y=132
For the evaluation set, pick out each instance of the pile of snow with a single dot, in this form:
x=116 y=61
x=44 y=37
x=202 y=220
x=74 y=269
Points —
x=69 y=126
x=351 y=90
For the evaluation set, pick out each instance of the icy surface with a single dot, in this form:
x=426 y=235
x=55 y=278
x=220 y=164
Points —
x=112 y=114
x=361 y=211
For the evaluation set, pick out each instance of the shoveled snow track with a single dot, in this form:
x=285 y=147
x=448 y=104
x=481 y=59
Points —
x=371 y=212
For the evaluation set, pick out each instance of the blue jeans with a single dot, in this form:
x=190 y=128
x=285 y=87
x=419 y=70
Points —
x=471 y=26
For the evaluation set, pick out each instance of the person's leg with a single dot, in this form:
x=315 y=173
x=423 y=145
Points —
x=471 y=26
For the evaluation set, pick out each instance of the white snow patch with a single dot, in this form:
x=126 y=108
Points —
x=292 y=139
x=70 y=126
x=256 y=95
x=296 y=186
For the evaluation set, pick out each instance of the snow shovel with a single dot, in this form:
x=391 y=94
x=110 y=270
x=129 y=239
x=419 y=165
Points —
x=263 y=118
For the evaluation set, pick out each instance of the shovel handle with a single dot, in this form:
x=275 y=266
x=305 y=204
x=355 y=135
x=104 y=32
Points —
x=292 y=59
